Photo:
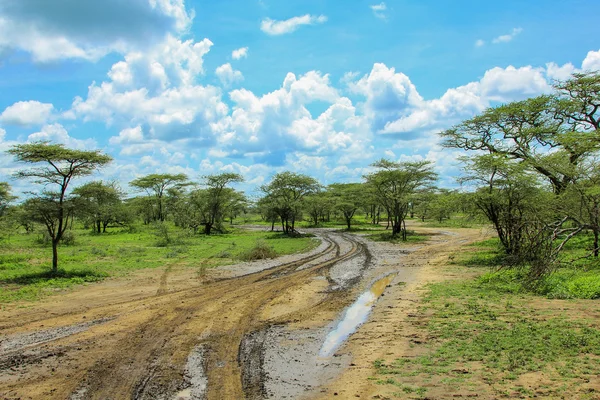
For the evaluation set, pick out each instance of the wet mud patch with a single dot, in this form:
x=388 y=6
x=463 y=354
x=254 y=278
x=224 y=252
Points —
x=21 y=341
x=279 y=363
x=354 y=316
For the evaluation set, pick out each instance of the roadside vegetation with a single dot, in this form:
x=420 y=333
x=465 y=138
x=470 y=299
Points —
x=25 y=270
x=517 y=317
x=484 y=332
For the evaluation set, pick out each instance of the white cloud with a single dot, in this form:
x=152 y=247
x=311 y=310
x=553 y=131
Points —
x=479 y=43
x=274 y=27
x=27 y=113
x=510 y=83
x=379 y=10
x=58 y=134
x=239 y=53
x=60 y=29
x=591 y=61
x=508 y=37
x=227 y=75
x=2 y=134
x=158 y=90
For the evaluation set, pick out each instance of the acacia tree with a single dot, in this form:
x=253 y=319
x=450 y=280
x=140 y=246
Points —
x=286 y=193
x=395 y=183
x=317 y=206
x=5 y=197
x=101 y=204
x=347 y=198
x=219 y=197
x=550 y=134
x=56 y=166
x=156 y=186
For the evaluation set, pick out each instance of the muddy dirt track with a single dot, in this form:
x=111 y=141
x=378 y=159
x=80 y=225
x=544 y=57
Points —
x=248 y=331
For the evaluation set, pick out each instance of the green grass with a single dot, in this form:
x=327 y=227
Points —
x=25 y=264
x=572 y=280
x=456 y=221
x=487 y=332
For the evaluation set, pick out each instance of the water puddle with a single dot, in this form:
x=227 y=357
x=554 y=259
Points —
x=354 y=316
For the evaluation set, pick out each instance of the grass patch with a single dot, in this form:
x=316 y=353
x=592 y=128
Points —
x=25 y=264
x=457 y=221
x=483 y=335
x=490 y=335
x=260 y=251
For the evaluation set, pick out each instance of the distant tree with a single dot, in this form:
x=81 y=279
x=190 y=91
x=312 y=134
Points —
x=156 y=186
x=220 y=198
x=100 y=203
x=347 y=199
x=395 y=183
x=317 y=206
x=286 y=193
x=5 y=197
x=56 y=166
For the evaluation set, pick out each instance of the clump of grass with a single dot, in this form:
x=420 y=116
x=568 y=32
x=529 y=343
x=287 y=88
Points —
x=260 y=251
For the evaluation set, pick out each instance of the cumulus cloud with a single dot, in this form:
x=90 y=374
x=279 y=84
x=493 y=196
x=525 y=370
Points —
x=87 y=29
x=479 y=43
x=379 y=10
x=274 y=27
x=58 y=134
x=508 y=37
x=227 y=75
x=158 y=91
x=239 y=53
x=591 y=61
x=27 y=113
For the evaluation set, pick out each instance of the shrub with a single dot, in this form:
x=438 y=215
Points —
x=260 y=251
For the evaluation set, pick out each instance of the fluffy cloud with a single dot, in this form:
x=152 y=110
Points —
x=58 y=134
x=27 y=113
x=78 y=29
x=508 y=37
x=227 y=75
x=239 y=53
x=479 y=43
x=274 y=27
x=158 y=91
x=591 y=61
x=379 y=10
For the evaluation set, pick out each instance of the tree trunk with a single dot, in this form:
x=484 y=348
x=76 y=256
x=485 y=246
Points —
x=207 y=228
x=596 y=242
x=98 y=226
x=54 y=256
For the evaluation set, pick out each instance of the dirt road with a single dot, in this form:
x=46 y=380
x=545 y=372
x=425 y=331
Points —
x=248 y=331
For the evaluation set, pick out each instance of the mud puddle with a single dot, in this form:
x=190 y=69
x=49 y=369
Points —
x=354 y=316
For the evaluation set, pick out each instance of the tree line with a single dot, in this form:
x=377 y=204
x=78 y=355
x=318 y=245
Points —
x=530 y=168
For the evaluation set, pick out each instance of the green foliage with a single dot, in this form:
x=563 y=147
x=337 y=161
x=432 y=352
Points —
x=285 y=196
x=485 y=331
x=120 y=253
x=394 y=185
x=260 y=251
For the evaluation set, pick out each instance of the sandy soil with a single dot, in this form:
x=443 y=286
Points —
x=247 y=331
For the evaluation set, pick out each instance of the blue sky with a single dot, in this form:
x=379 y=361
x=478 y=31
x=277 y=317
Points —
x=320 y=87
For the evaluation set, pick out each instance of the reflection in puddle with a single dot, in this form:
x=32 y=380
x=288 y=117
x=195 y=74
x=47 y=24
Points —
x=354 y=316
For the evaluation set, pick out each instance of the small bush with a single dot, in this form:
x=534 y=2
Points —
x=68 y=238
x=260 y=251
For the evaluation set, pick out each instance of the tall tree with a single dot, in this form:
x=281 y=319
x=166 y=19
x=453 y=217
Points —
x=551 y=134
x=219 y=197
x=5 y=197
x=286 y=193
x=347 y=198
x=55 y=167
x=395 y=183
x=156 y=186
x=101 y=204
